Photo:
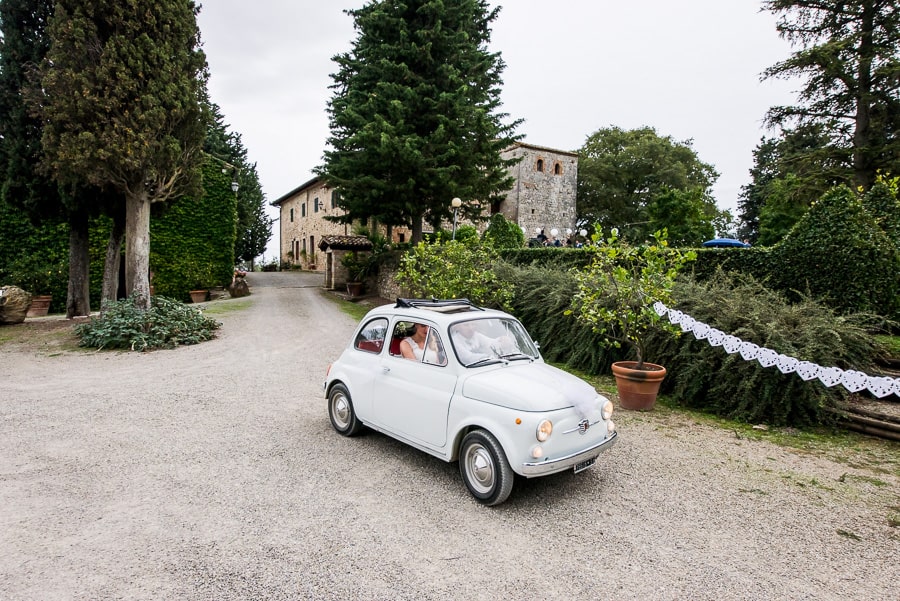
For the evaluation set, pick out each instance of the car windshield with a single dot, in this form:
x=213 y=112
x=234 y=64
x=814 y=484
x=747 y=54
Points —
x=478 y=342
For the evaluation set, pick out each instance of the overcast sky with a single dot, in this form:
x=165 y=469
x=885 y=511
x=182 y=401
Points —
x=690 y=69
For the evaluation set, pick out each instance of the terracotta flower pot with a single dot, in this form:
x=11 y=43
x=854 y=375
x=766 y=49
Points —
x=638 y=387
x=40 y=306
x=198 y=296
x=354 y=288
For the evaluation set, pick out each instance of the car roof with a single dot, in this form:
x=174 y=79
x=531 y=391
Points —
x=441 y=311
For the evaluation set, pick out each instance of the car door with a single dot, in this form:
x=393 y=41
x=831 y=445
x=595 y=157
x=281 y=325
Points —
x=412 y=397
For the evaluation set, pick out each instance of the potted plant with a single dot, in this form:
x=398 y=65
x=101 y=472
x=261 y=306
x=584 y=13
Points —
x=615 y=297
x=357 y=270
x=200 y=278
x=37 y=276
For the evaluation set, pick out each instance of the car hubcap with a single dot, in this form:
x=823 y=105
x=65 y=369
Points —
x=480 y=467
x=341 y=411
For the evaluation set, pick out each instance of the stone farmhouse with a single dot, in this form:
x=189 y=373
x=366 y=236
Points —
x=542 y=198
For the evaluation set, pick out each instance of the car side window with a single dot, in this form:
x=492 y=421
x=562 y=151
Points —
x=431 y=351
x=371 y=336
x=434 y=349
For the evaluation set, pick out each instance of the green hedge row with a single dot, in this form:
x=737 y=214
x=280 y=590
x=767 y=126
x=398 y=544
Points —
x=702 y=376
x=844 y=252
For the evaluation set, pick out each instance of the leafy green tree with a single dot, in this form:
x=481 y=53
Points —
x=415 y=115
x=121 y=96
x=850 y=58
x=792 y=170
x=681 y=213
x=621 y=173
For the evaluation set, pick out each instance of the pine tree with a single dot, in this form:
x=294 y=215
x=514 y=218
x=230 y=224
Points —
x=414 y=116
x=850 y=57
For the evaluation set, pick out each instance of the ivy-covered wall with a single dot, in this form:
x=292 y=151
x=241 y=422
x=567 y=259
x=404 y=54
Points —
x=191 y=243
x=192 y=240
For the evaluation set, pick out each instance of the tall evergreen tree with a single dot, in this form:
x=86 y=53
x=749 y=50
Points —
x=122 y=99
x=254 y=227
x=23 y=46
x=850 y=56
x=415 y=115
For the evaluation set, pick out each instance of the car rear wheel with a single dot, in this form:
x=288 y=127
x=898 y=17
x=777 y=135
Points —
x=340 y=411
x=484 y=468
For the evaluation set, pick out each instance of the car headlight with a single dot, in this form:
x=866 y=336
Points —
x=544 y=430
x=607 y=409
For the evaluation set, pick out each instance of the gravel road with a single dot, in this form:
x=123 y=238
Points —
x=212 y=472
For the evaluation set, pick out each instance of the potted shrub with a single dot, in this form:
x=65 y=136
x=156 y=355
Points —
x=358 y=269
x=615 y=297
x=200 y=278
x=37 y=276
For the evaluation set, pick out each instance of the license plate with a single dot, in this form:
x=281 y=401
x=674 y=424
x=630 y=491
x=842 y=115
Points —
x=583 y=465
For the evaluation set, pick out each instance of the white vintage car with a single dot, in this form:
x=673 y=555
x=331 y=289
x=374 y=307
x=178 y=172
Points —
x=466 y=383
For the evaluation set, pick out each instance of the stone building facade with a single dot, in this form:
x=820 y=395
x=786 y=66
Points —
x=543 y=195
x=542 y=198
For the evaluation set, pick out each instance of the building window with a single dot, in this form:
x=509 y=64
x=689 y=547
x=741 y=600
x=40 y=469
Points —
x=557 y=169
x=335 y=197
x=303 y=210
x=292 y=215
x=316 y=204
x=312 y=244
x=539 y=166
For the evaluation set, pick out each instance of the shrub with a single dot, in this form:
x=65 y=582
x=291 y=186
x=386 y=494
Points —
x=706 y=377
x=166 y=324
x=542 y=297
x=502 y=233
x=838 y=253
x=454 y=270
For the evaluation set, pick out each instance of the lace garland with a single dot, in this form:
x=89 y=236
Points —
x=854 y=381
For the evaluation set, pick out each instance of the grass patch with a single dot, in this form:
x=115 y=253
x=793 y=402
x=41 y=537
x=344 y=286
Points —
x=891 y=343
x=225 y=307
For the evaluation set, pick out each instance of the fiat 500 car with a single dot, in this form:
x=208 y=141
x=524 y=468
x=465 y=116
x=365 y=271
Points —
x=467 y=384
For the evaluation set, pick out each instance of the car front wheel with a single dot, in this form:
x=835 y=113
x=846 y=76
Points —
x=484 y=468
x=340 y=411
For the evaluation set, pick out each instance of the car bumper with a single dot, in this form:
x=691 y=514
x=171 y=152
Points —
x=542 y=468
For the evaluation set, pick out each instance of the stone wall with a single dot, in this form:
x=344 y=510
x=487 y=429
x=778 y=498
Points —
x=543 y=196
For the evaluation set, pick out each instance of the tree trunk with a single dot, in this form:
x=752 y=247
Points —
x=416 y=234
x=863 y=169
x=110 y=291
x=137 y=248
x=78 y=297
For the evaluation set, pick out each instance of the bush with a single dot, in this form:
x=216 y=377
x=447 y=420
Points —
x=838 y=253
x=542 y=297
x=454 y=270
x=166 y=324
x=502 y=233
x=706 y=377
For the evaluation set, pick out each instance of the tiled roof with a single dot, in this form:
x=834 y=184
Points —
x=345 y=243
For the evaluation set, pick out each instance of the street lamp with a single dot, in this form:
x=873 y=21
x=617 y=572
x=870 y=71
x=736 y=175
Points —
x=235 y=186
x=455 y=203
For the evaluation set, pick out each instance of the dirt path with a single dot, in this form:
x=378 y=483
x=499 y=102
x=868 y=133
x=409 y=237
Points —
x=212 y=472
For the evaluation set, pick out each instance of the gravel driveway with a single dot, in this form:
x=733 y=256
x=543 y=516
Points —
x=212 y=472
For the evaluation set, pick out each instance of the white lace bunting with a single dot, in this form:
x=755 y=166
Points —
x=852 y=380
